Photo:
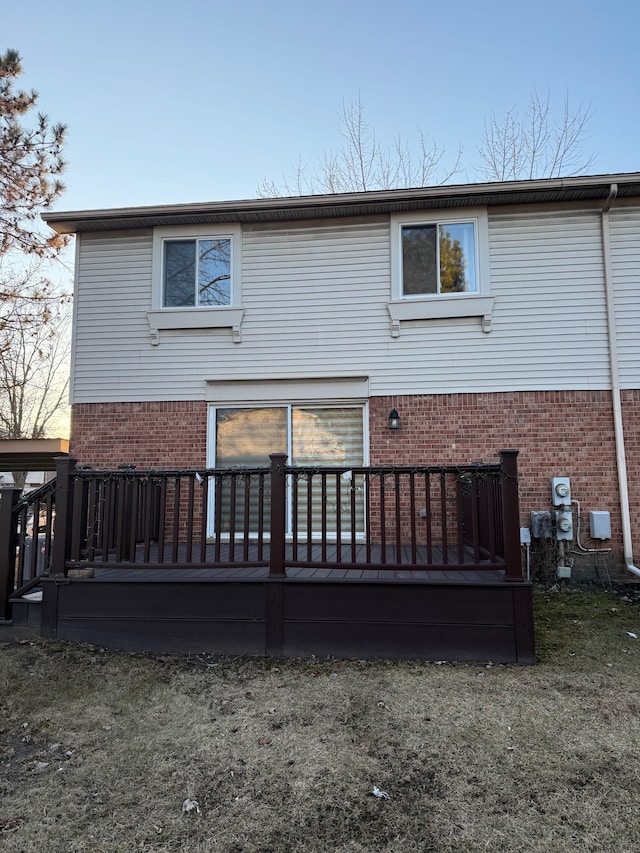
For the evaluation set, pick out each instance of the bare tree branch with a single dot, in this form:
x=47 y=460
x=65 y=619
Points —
x=536 y=146
x=34 y=356
x=512 y=148
x=362 y=163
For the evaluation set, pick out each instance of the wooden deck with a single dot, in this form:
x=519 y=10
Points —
x=343 y=613
x=438 y=577
x=187 y=574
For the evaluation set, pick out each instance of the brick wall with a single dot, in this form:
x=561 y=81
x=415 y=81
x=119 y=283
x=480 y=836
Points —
x=558 y=433
x=148 y=435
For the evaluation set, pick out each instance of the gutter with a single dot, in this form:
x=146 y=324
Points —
x=623 y=483
x=371 y=203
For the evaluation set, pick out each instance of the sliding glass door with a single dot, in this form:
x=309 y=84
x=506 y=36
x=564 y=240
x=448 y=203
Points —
x=311 y=436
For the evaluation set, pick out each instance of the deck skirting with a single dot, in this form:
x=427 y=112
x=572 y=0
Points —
x=464 y=618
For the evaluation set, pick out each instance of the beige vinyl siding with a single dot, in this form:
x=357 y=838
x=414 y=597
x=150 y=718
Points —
x=314 y=302
x=113 y=288
x=315 y=296
x=625 y=267
x=549 y=323
x=550 y=318
x=315 y=305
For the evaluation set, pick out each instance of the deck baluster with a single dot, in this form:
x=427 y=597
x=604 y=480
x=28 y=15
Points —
x=261 y=493
x=412 y=519
x=217 y=490
x=175 y=532
x=246 y=518
x=204 y=485
x=323 y=480
x=443 y=517
x=352 y=510
x=309 y=522
x=461 y=484
x=428 y=518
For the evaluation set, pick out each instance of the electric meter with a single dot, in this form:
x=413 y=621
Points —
x=564 y=525
x=560 y=491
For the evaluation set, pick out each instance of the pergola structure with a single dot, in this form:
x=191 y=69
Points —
x=31 y=454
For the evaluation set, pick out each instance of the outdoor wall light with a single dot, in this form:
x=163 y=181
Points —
x=394 y=419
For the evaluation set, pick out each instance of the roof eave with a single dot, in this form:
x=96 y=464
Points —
x=377 y=202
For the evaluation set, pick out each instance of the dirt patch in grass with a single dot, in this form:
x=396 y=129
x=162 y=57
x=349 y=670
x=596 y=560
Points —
x=100 y=750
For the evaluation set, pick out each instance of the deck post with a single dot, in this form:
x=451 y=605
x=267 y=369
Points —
x=64 y=514
x=278 y=514
x=511 y=515
x=9 y=497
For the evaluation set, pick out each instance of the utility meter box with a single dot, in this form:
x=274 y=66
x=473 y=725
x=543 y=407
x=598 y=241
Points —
x=600 y=525
x=560 y=491
x=564 y=526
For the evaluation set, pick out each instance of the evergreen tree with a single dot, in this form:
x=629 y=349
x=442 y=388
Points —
x=30 y=162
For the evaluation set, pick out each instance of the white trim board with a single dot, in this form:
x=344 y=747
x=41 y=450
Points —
x=310 y=389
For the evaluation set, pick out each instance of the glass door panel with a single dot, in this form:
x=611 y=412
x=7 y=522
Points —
x=244 y=439
x=325 y=437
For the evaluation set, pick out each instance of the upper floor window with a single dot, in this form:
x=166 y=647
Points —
x=440 y=267
x=197 y=272
x=197 y=266
x=438 y=258
x=196 y=279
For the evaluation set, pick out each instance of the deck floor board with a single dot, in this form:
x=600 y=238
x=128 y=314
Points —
x=297 y=574
x=331 y=561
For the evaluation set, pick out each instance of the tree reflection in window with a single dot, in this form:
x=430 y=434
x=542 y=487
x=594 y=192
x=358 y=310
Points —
x=438 y=259
x=197 y=272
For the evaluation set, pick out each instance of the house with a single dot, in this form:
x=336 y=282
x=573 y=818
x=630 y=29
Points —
x=484 y=315
x=286 y=415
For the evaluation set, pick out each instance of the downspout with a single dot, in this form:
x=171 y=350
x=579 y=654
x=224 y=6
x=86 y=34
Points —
x=621 y=458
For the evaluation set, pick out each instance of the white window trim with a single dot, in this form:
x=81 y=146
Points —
x=201 y=316
x=437 y=306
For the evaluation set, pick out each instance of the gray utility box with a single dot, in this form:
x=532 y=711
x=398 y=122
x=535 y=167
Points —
x=600 y=525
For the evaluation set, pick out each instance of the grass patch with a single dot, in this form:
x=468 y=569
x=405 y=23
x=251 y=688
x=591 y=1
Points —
x=99 y=750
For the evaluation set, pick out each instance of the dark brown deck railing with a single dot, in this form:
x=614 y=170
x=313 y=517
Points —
x=423 y=517
x=26 y=540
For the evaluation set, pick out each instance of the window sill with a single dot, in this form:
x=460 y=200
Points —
x=440 y=308
x=195 y=318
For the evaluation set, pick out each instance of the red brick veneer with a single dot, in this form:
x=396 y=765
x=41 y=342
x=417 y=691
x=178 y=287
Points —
x=148 y=435
x=568 y=433
x=558 y=433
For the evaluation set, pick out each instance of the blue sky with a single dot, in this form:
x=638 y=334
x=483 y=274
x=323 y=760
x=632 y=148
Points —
x=196 y=101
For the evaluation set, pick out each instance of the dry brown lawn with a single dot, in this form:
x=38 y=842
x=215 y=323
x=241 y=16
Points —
x=100 y=750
